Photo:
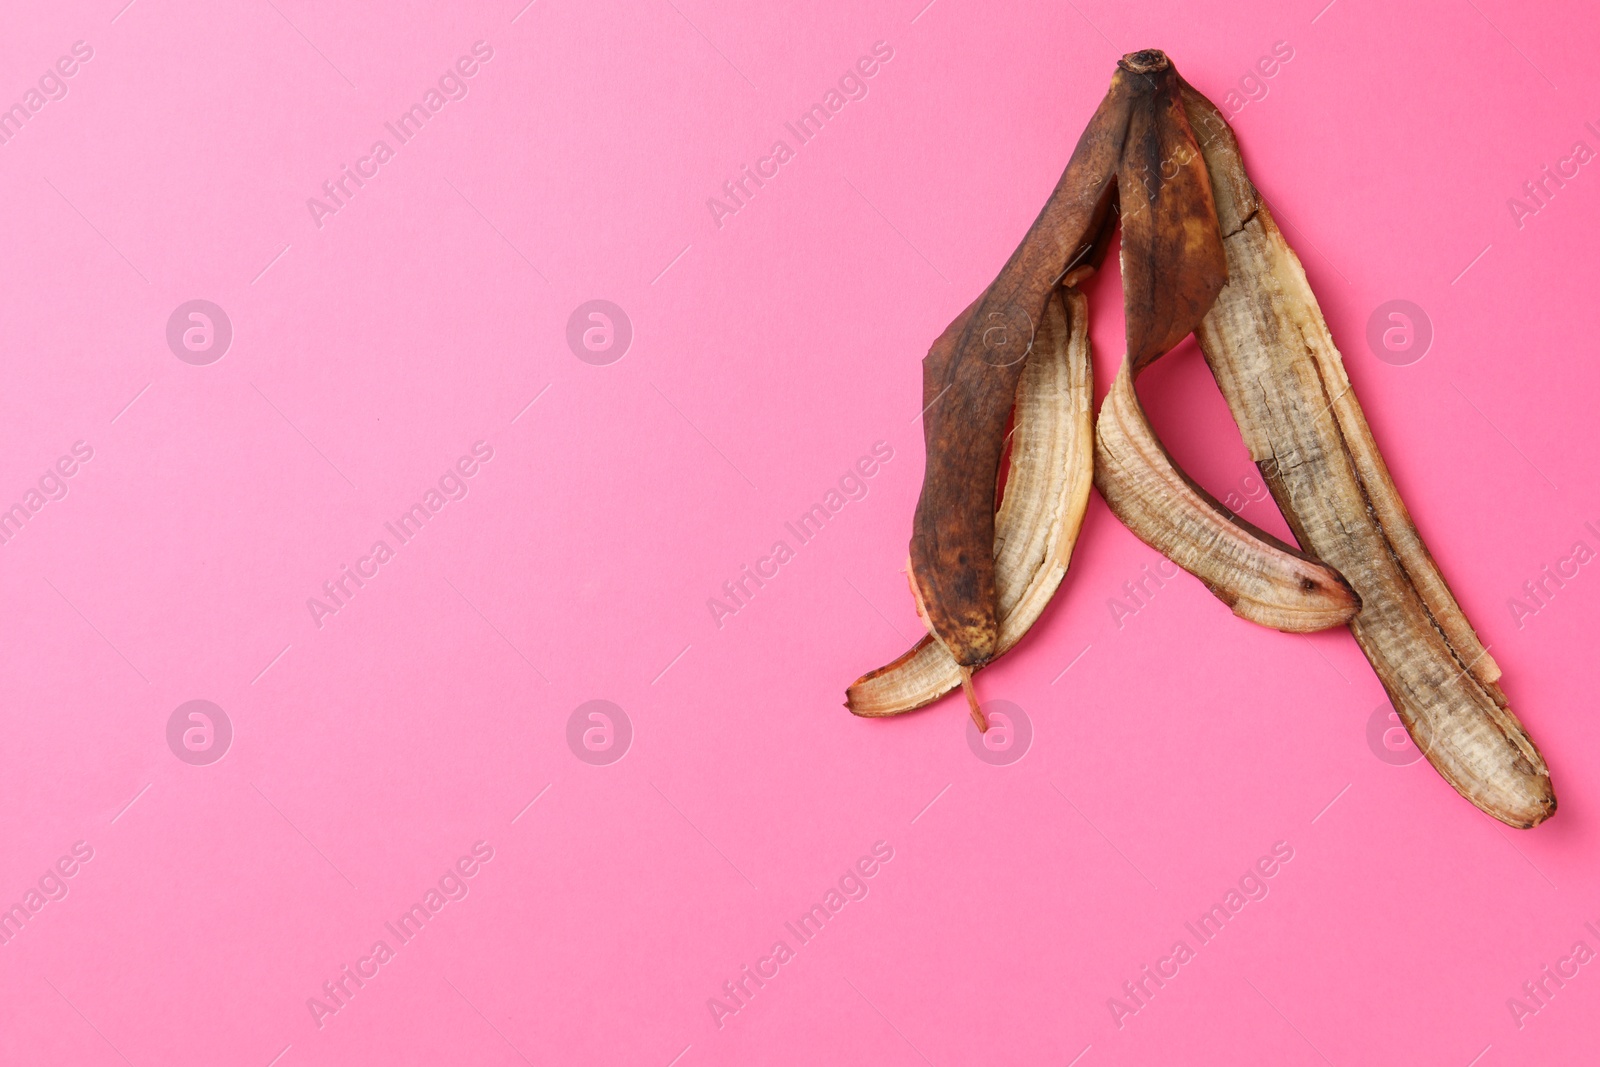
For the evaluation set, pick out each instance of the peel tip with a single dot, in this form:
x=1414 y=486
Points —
x=1539 y=814
x=1145 y=61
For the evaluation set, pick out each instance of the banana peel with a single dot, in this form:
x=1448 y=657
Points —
x=1283 y=378
x=1046 y=493
x=1200 y=253
x=1258 y=576
x=1173 y=267
x=969 y=385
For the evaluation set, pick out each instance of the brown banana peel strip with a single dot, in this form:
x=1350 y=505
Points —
x=969 y=385
x=1046 y=493
x=1172 y=260
x=1259 y=577
x=1284 y=380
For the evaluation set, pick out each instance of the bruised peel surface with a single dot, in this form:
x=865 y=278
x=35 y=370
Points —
x=1284 y=380
x=970 y=384
x=1200 y=251
x=1040 y=513
x=1173 y=264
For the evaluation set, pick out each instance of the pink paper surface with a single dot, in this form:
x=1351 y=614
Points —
x=370 y=745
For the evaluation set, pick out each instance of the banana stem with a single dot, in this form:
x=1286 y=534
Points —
x=972 y=701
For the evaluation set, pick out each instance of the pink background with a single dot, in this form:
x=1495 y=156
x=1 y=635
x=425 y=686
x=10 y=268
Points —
x=768 y=355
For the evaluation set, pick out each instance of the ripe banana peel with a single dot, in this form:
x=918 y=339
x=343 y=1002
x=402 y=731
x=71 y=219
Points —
x=976 y=596
x=1173 y=267
x=969 y=386
x=1200 y=253
x=1046 y=493
x=1275 y=361
x=1258 y=576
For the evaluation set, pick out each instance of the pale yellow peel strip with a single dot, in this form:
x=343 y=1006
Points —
x=1257 y=576
x=1277 y=366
